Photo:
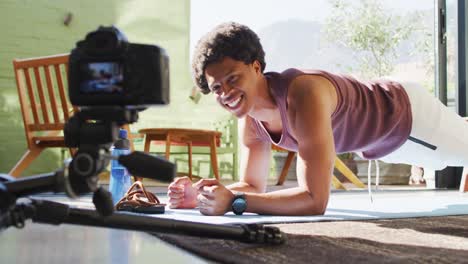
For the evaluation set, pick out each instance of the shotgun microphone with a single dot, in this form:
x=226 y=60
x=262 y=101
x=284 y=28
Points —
x=144 y=165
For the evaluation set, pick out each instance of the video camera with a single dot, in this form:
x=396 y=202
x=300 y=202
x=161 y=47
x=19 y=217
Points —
x=105 y=69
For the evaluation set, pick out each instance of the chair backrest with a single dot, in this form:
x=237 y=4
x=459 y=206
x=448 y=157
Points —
x=228 y=128
x=42 y=88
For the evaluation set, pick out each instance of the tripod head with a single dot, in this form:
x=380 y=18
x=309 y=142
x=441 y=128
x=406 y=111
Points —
x=92 y=131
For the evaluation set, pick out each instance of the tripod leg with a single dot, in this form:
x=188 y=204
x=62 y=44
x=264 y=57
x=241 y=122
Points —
x=57 y=213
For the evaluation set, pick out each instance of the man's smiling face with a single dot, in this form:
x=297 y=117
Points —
x=234 y=84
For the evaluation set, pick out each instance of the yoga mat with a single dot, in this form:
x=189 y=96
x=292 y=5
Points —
x=341 y=206
x=355 y=206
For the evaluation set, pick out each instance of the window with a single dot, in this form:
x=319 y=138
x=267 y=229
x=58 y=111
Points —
x=452 y=53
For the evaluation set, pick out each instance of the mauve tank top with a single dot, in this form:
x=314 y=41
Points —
x=371 y=117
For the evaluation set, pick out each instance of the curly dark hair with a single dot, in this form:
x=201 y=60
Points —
x=226 y=40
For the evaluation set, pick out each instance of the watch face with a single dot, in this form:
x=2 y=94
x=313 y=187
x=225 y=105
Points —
x=239 y=205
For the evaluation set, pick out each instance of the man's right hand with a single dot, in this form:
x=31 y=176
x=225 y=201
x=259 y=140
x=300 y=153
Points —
x=181 y=194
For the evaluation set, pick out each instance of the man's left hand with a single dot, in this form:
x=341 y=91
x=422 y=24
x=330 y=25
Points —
x=213 y=198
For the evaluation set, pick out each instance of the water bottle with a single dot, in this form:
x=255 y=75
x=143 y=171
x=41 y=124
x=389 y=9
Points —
x=120 y=180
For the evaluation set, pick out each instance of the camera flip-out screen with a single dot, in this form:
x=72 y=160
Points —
x=102 y=77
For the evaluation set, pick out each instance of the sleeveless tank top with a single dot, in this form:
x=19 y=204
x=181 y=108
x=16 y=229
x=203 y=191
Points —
x=372 y=117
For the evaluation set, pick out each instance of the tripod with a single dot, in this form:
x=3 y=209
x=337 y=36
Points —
x=15 y=213
x=49 y=212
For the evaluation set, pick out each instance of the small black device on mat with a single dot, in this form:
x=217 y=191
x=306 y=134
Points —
x=143 y=209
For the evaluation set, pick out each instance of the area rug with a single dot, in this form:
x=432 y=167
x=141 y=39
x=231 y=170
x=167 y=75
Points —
x=410 y=240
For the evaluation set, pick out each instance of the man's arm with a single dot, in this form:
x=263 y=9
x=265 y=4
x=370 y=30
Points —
x=255 y=160
x=311 y=103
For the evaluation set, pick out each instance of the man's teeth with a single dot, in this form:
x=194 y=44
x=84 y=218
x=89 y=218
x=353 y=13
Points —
x=234 y=103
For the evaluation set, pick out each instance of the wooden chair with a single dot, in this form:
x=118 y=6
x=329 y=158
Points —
x=41 y=84
x=339 y=165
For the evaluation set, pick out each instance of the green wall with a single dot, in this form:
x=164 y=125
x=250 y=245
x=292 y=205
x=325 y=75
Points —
x=33 y=28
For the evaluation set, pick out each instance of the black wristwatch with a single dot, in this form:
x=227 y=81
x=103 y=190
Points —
x=239 y=204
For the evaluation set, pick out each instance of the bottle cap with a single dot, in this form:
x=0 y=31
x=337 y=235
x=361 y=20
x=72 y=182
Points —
x=123 y=133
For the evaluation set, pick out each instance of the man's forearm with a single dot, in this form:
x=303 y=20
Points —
x=293 y=201
x=243 y=187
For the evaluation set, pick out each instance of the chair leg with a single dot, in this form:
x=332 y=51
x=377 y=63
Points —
x=337 y=184
x=286 y=166
x=214 y=158
x=25 y=161
x=189 y=145
x=146 y=150
x=348 y=173
x=72 y=151
x=168 y=146
x=147 y=145
x=130 y=137
x=235 y=166
x=464 y=180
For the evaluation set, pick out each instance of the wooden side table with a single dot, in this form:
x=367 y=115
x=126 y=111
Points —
x=189 y=137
